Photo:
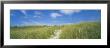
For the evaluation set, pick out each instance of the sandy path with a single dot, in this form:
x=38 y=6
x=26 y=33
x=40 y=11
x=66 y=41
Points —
x=56 y=34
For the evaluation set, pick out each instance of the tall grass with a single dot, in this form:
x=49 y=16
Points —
x=84 y=30
x=31 y=32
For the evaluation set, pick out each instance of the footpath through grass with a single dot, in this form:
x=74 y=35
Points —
x=84 y=30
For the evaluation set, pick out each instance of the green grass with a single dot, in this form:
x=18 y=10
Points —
x=84 y=30
x=32 y=32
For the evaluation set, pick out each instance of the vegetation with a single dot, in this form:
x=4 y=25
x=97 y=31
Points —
x=32 y=32
x=87 y=30
x=84 y=30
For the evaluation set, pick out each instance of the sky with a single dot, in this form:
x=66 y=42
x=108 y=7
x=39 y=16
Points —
x=29 y=17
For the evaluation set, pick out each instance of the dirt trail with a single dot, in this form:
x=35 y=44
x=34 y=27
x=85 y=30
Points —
x=56 y=34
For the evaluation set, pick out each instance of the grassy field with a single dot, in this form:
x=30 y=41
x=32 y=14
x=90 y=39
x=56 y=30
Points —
x=87 y=30
x=84 y=30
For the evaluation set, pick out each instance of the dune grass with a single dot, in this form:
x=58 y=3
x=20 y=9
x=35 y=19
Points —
x=84 y=30
x=31 y=32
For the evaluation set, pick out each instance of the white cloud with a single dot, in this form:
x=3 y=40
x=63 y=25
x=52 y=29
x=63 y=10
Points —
x=69 y=11
x=54 y=15
x=36 y=16
x=30 y=22
x=24 y=12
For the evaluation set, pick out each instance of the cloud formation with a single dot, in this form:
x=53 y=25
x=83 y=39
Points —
x=54 y=15
x=37 y=13
x=69 y=11
x=24 y=12
x=30 y=22
x=36 y=16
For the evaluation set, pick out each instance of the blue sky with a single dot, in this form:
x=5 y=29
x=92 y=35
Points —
x=52 y=17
